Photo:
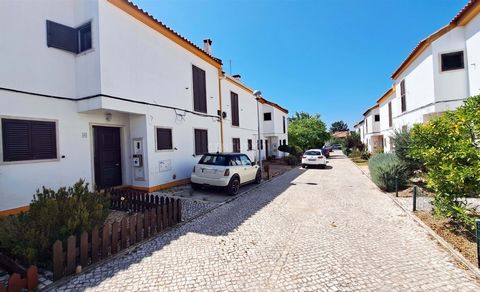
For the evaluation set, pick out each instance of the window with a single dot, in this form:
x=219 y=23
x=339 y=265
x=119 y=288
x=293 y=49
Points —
x=377 y=118
x=234 y=105
x=28 y=140
x=199 y=90
x=164 y=139
x=245 y=160
x=214 y=159
x=250 y=146
x=236 y=145
x=75 y=40
x=261 y=144
x=284 y=141
x=284 y=126
x=390 y=117
x=267 y=116
x=201 y=142
x=452 y=61
x=366 y=125
x=403 y=96
x=235 y=161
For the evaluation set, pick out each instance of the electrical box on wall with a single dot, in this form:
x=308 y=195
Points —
x=137 y=159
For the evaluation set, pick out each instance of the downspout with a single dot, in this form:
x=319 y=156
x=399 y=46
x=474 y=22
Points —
x=220 y=75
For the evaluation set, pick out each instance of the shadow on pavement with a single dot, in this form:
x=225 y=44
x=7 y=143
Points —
x=219 y=222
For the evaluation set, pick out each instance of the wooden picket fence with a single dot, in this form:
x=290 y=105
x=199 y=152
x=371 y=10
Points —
x=17 y=282
x=108 y=240
x=131 y=200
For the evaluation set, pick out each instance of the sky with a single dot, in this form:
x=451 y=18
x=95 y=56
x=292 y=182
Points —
x=332 y=57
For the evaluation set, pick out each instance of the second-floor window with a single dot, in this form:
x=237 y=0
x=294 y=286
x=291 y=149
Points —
x=403 y=96
x=199 y=90
x=390 y=117
x=377 y=118
x=234 y=105
x=267 y=116
x=452 y=61
x=284 y=125
x=75 y=40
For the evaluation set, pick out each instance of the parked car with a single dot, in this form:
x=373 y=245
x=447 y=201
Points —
x=314 y=157
x=337 y=147
x=225 y=170
x=326 y=152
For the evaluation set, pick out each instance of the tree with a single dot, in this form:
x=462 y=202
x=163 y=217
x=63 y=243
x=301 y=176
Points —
x=338 y=126
x=307 y=131
x=449 y=146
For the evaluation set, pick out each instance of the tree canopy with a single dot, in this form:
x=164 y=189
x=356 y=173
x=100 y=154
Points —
x=338 y=126
x=307 y=131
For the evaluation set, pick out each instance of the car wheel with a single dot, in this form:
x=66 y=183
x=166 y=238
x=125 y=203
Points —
x=195 y=186
x=304 y=166
x=258 y=177
x=323 y=166
x=233 y=186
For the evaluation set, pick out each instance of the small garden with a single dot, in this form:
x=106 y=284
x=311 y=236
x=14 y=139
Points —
x=441 y=159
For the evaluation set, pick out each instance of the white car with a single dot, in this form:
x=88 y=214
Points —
x=227 y=170
x=314 y=157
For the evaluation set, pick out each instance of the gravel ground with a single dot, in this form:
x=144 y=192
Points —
x=313 y=230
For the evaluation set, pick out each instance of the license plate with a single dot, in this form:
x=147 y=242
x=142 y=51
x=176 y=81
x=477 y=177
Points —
x=311 y=159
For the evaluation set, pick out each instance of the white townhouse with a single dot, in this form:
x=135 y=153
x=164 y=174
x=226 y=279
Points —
x=373 y=140
x=241 y=121
x=360 y=130
x=103 y=91
x=441 y=72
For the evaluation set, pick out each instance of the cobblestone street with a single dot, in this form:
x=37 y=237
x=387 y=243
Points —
x=316 y=229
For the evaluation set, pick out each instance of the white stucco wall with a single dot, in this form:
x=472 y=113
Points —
x=472 y=37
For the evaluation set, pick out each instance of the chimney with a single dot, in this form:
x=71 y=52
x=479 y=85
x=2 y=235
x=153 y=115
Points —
x=207 y=46
x=237 y=77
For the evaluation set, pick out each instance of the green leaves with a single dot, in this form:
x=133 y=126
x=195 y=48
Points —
x=385 y=168
x=448 y=146
x=307 y=131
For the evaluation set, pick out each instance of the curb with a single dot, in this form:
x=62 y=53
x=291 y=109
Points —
x=456 y=254
x=89 y=268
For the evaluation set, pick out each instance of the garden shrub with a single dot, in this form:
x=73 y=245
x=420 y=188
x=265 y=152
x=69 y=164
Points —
x=449 y=146
x=365 y=155
x=402 y=143
x=53 y=215
x=384 y=168
x=291 y=159
x=355 y=153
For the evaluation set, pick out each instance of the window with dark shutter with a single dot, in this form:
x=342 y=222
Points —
x=284 y=141
x=284 y=126
x=390 y=117
x=452 y=61
x=234 y=105
x=164 y=139
x=62 y=37
x=377 y=118
x=199 y=90
x=403 y=96
x=28 y=140
x=261 y=144
x=84 y=37
x=267 y=116
x=236 y=145
x=201 y=142
x=250 y=144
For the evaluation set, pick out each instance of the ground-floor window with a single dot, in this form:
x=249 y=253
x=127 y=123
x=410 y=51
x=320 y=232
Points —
x=284 y=141
x=250 y=146
x=28 y=140
x=201 y=142
x=164 y=139
x=236 y=145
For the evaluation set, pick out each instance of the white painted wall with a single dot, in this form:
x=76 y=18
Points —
x=385 y=129
x=472 y=37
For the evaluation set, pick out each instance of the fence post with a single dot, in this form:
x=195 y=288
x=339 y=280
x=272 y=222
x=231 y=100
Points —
x=477 y=225
x=414 y=198
x=396 y=186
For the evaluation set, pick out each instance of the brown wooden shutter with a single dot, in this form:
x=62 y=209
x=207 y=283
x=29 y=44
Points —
x=28 y=140
x=199 y=90
x=390 y=117
x=201 y=142
x=235 y=110
x=403 y=95
x=236 y=145
x=164 y=139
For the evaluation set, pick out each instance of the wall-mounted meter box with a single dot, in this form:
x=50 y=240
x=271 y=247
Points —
x=137 y=160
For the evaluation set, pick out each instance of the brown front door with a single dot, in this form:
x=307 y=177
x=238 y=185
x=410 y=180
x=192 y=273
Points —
x=107 y=156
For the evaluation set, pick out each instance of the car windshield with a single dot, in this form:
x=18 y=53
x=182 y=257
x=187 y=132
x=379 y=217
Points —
x=214 y=160
x=313 y=153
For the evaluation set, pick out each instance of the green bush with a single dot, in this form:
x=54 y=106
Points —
x=384 y=168
x=355 y=153
x=366 y=155
x=291 y=159
x=402 y=143
x=449 y=146
x=53 y=215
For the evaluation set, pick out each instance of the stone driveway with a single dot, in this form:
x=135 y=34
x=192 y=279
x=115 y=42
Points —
x=318 y=230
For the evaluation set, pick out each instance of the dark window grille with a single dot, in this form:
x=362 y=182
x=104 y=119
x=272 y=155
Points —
x=164 y=139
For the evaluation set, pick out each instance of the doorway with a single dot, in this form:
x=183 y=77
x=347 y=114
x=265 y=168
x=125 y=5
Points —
x=107 y=156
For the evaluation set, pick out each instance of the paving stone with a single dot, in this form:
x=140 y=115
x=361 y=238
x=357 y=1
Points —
x=340 y=234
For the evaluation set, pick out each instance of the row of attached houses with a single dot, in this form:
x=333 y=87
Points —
x=101 y=90
x=441 y=72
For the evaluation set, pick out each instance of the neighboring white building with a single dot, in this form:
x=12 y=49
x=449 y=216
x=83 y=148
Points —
x=101 y=90
x=360 y=130
x=373 y=138
x=438 y=75
x=274 y=129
